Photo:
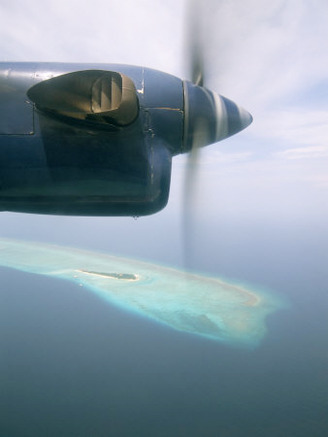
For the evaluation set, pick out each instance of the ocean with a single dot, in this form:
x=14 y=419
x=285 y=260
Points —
x=74 y=365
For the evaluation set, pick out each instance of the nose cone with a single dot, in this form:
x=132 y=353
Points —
x=210 y=116
x=230 y=118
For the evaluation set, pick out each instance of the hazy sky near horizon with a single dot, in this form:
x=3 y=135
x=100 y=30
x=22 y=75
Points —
x=269 y=56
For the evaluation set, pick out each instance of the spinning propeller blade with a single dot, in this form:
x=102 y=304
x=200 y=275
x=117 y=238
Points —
x=210 y=116
x=195 y=43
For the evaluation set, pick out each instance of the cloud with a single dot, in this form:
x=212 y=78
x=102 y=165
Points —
x=142 y=33
x=294 y=127
x=263 y=191
x=266 y=50
x=305 y=153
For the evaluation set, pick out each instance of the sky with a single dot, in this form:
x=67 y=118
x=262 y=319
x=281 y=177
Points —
x=269 y=56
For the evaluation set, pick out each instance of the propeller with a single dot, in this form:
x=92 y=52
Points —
x=209 y=117
x=195 y=56
x=195 y=42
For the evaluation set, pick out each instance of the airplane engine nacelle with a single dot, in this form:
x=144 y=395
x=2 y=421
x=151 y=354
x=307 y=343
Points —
x=99 y=139
x=94 y=147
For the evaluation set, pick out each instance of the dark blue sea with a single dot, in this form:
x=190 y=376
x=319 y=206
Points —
x=73 y=365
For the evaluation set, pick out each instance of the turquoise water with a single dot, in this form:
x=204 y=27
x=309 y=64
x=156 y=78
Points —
x=200 y=305
x=78 y=361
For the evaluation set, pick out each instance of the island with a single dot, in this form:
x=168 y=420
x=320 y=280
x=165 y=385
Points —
x=196 y=304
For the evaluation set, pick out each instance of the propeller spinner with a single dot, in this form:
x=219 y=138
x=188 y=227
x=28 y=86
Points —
x=218 y=116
